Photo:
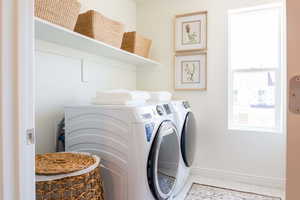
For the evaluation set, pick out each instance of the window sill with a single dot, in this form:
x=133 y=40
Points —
x=254 y=130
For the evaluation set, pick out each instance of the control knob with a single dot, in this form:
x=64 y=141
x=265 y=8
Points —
x=160 y=110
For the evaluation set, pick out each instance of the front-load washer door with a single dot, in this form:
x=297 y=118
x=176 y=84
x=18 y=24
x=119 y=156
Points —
x=163 y=161
x=188 y=139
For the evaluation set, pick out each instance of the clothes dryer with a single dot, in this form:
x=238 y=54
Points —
x=186 y=126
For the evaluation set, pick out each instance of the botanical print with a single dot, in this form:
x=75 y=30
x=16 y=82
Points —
x=205 y=192
x=191 y=32
x=190 y=71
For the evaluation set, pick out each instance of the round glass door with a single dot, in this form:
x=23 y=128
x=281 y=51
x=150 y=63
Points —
x=163 y=161
x=188 y=139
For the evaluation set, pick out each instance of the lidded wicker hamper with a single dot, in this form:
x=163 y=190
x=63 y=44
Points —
x=60 y=12
x=137 y=44
x=68 y=176
x=97 y=26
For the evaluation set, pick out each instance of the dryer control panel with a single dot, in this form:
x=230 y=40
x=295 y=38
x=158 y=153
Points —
x=145 y=114
x=167 y=109
x=186 y=104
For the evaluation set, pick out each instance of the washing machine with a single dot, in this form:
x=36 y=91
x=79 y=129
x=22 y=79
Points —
x=186 y=126
x=139 y=148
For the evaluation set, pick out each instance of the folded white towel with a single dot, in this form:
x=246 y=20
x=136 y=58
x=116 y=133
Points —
x=121 y=96
x=98 y=101
x=160 y=96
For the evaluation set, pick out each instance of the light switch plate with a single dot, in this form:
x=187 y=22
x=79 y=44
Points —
x=84 y=73
x=294 y=95
x=30 y=136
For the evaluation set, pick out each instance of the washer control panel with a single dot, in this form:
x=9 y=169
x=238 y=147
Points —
x=149 y=128
x=160 y=110
x=147 y=116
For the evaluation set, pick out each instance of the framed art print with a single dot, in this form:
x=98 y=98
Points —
x=191 y=32
x=190 y=71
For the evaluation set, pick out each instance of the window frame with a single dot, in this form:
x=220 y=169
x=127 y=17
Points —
x=279 y=73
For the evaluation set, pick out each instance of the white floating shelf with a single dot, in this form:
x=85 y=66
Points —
x=56 y=34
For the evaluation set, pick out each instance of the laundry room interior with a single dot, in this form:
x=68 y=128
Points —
x=210 y=72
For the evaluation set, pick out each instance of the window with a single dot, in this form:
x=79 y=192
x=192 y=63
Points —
x=255 y=68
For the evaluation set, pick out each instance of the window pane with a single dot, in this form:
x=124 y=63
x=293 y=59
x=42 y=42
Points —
x=254 y=99
x=255 y=39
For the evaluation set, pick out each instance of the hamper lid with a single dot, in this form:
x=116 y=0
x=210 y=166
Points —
x=62 y=163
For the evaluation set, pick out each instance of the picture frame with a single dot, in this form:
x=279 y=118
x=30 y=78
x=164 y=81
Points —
x=190 y=32
x=190 y=71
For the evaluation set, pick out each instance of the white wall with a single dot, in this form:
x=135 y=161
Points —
x=58 y=74
x=244 y=156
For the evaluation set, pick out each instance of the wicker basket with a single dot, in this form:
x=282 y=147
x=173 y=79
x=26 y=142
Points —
x=82 y=184
x=99 y=27
x=136 y=43
x=60 y=12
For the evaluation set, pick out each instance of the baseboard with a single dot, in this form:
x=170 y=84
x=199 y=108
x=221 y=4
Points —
x=239 y=177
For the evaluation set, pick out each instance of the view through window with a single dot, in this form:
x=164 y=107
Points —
x=255 y=68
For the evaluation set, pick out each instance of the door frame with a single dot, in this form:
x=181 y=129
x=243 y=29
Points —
x=17 y=151
x=293 y=136
x=17 y=100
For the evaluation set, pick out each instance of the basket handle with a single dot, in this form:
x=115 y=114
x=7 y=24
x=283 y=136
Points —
x=58 y=161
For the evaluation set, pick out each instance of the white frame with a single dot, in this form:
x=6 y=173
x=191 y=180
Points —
x=17 y=177
x=279 y=77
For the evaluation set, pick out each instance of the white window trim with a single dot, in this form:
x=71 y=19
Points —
x=280 y=91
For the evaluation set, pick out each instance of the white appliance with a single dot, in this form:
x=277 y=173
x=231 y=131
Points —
x=186 y=126
x=138 y=145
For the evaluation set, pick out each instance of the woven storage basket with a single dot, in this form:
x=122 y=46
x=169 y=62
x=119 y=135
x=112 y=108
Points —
x=136 y=44
x=60 y=12
x=56 y=183
x=99 y=27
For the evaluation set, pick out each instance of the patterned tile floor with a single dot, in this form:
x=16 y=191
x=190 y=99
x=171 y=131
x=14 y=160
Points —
x=206 y=192
x=166 y=182
x=263 y=191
